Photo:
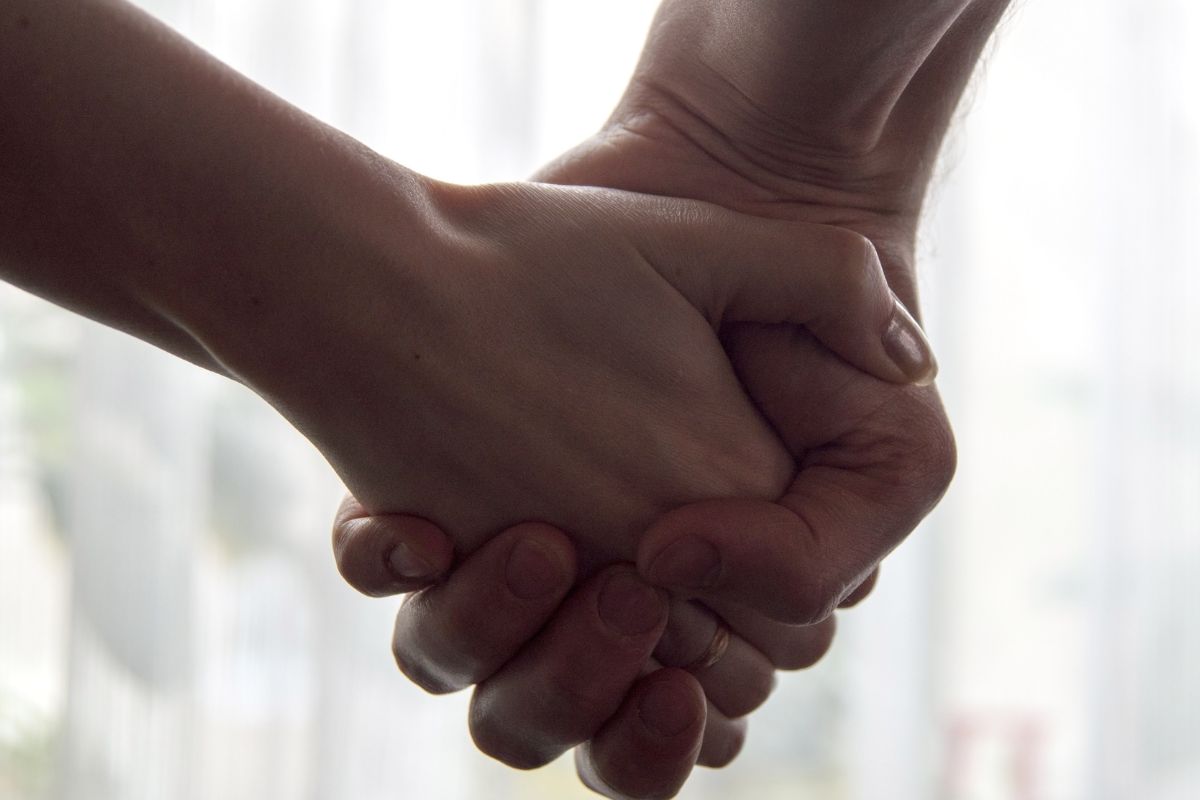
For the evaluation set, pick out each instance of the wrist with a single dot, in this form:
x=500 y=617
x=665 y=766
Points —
x=304 y=262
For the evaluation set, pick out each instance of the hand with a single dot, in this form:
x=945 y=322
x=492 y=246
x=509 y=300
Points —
x=580 y=649
x=752 y=121
x=678 y=134
x=742 y=679
x=685 y=128
x=554 y=671
x=553 y=356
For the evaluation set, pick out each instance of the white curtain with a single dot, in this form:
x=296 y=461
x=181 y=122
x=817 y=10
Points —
x=171 y=624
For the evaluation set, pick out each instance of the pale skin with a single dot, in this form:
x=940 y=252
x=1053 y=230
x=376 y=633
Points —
x=788 y=110
x=149 y=187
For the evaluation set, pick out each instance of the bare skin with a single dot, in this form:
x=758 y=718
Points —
x=761 y=120
x=479 y=354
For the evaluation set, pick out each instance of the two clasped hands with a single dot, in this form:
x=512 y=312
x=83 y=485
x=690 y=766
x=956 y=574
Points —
x=820 y=125
x=634 y=431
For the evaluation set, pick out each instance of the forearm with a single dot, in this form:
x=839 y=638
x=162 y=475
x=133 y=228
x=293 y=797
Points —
x=863 y=88
x=830 y=69
x=146 y=185
x=852 y=56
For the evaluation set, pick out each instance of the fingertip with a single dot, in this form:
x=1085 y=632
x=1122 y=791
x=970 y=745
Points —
x=671 y=703
x=541 y=561
x=467 y=627
x=690 y=562
x=817 y=645
x=723 y=741
x=752 y=552
x=408 y=564
x=630 y=607
x=421 y=551
x=649 y=747
x=518 y=752
x=570 y=680
x=390 y=554
x=676 y=551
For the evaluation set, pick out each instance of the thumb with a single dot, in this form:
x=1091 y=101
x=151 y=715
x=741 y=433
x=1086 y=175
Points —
x=738 y=268
x=389 y=553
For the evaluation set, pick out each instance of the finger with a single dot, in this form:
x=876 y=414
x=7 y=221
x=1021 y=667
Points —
x=737 y=268
x=701 y=550
x=861 y=592
x=724 y=739
x=874 y=464
x=389 y=553
x=649 y=747
x=786 y=647
x=806 y=558
x=457 y=633
x=562 y=687
x=737 y=681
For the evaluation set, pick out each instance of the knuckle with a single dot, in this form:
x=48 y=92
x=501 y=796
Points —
x=721 y=750
x=348 y=523
x=620 y=780
x=565 y=711
x=914 y=453
x=346 y=536
x=932 y=449
x=461 y=643
x=427 y=666
x=859 y=273
x=804 y=646
x=756 y=689
x=809 y=602
x=360 y=552
x=423 y=674
x=340 y=540
x=574 y=709
x=500 y=740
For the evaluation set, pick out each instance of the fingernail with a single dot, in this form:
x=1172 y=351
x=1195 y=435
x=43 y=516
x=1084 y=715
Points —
x=667 y=710
x=533 y=571
x=690 y=563
x=406 y=564
x=629 y=606
x=906 y=345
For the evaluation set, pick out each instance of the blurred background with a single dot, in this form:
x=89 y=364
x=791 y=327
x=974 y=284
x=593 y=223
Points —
x=171 y=623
